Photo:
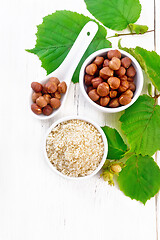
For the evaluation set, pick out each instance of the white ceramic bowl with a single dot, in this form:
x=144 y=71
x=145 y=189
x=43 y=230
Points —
x=103 y=138
x=138 y=80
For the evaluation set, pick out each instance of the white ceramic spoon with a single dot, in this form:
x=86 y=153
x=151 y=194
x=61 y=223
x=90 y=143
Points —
x=65 y=71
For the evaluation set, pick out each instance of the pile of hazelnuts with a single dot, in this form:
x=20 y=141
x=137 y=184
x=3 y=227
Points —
x=47 y=97
x=110 y=80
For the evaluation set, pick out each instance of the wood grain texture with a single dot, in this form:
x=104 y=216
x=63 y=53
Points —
x=157 y=156
x=35 y=203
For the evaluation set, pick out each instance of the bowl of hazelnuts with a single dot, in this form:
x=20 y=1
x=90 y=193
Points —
x=111 y=80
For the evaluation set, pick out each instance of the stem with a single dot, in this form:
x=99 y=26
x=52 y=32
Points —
x=125 y=34
x=156 y=96
x=130 y=29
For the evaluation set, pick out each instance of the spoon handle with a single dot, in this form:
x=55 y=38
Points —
x=68 y=66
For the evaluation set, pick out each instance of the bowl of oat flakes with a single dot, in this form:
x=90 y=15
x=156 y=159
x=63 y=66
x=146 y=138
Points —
x=75 y=147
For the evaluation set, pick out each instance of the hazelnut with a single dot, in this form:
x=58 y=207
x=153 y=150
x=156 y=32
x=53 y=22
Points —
x=113 y=94
x=120 y=72
x=106 y=63
x=98 y=60
x=47 y=110
x=129 y=93
x=55 y=80
x=103 y=89
x=47 y=97
x=115 y=63
x=62 y=87
x=93 y=95
x=106 y=72
x=96 y=82
x=57 y=95
x=130 y=79
x=116 y=168
x=36 y=109
x=91 y=69
x=126 y=62
x=114 y=103
x=123 y=86
x=35 y=96
x=132 y=86
x=114 y=82
x=55 y=103
x=87 y=79
x=104 y=101
x=131 y=72
x=44 y=89
x=113 y=53
x=89 y=89
x=124 y=99
x=37 y=87
x=51 y=87
x=123 y=78
x=41 y=102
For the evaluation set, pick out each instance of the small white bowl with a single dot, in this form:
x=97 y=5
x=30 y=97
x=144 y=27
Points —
x=103 y=138
x=138 y=80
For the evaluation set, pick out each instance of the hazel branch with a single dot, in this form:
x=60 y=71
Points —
x=157 y=96
x=127 y=34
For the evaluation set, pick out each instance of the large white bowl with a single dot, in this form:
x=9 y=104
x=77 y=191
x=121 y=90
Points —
x=138 y=80
x=103 y=138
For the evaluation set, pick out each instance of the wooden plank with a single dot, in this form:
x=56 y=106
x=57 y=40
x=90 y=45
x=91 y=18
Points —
x=157 y=49
x=36 y=203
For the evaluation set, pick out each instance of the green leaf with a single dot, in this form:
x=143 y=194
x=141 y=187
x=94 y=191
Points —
x=149 y=61
x=115 y=14
x=151 y=65
x=141 y=124
x=140 y=179
x=116 y=146
x=139 y=29
x=56 y=35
